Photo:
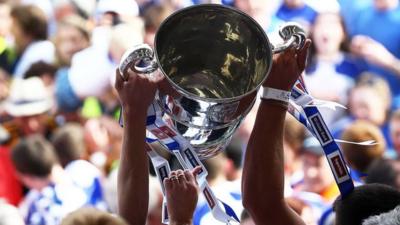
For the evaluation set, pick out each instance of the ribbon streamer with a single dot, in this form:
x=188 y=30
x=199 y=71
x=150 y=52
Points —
x=158 y=130
x=304 y=108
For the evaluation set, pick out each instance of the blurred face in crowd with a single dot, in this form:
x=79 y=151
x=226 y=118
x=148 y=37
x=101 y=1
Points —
x=328 y=33
x=317 y=174
x=365 y=104
x=5 y=20
x=383 y=5
x=32 y=124
x=69 y=40
x=32 y=182
x=395 y=133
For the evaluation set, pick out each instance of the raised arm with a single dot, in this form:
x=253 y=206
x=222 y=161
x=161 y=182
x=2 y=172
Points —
x=136 y=92
x=263 y=173
x=375 y=53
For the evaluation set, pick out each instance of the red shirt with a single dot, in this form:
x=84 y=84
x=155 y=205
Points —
x=10 y=187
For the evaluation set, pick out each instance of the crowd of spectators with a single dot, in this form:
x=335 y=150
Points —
x=60 y=140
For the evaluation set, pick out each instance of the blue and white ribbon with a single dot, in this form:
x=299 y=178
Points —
x=158 y=130
x=303 y=108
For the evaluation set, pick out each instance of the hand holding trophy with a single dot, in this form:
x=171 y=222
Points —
x=213 y=59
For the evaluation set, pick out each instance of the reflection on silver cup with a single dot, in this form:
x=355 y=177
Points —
x=214 y=59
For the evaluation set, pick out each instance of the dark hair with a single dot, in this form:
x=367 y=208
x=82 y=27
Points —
x=69 y=143
x=381 y=171
x=365 y=201
x=234 y=152
x=32 y=21
x=39 y=69
x=34 y=155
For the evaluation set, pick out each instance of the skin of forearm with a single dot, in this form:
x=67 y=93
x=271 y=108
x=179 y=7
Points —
x=133 y=179
x=263 y=174
x=264 y=158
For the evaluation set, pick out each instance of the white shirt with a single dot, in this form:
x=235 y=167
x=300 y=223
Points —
x=35 y=52
x=228 y=192
x=90 y=72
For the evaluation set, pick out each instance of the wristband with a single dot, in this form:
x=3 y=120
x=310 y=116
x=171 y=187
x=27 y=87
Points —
x=275 y=94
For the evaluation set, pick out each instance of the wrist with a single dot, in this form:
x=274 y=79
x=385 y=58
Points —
x=133 y=113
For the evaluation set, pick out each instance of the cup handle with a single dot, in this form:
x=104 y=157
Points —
x=293 y=36
x=140 y=58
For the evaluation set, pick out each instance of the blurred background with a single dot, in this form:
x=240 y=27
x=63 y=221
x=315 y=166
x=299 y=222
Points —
x=60 y=139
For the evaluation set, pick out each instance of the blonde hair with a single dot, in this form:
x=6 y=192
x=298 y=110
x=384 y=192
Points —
x=359 y=156
x=91 y=216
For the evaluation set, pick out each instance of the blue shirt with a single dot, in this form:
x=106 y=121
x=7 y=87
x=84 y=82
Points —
x=302 y=14
x=349 y=66
x=381 y=26
x=384 y=28
x=51 y=204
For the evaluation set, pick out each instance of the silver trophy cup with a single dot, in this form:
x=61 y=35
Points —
x=214 y=59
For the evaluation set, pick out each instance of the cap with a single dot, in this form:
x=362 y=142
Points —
x=312 y=145
x=28 y=97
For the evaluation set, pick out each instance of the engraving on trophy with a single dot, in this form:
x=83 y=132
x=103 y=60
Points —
x=223 y=112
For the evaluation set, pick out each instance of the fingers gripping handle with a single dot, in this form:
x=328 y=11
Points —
x=140 y=58
x=293 y=36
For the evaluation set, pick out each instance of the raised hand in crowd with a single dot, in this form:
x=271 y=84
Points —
x=375 y=53
x=182 y=193
x=136 y=92
x=263 y=174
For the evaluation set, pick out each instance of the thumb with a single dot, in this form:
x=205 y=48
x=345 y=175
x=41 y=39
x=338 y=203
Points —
x=118 y=80
x=302 y=56
x=196 y=171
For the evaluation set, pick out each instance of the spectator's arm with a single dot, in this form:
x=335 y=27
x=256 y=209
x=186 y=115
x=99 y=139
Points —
x=375 y=53
x=136 y=94
x=263 y=174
